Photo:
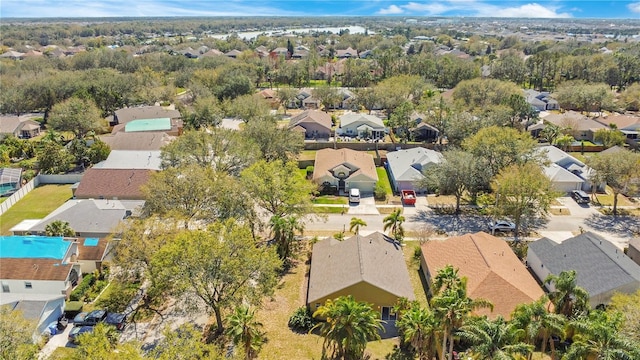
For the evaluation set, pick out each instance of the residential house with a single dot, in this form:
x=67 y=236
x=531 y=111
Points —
x=314 y=124
x=580 y=126
x=42 y=309
x=93 y=252
x=170 y=126
x=125 y=115
x=347 y=53
x=212 y=53
x=541 y=101
x=422 y=131
x=91 y=218
x=370 y=268
x=131 y=159
x=38 y=265
x=271 y=97
x=492 y=270
x=566 y=163
x=406 y=167
x=634 y=250
x=233 y=53
x=601 y=267
x=362 y=126
x=627 y=124
x=23 y=127
x=345 y=169
x=116 y=184
x=138 y=141
x=13 y=55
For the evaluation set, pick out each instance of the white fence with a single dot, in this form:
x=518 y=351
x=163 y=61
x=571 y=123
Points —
x=35 y=182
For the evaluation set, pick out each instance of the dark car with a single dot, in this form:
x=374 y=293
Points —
x=580 y=196
x=77 y=331
x=89 y=319
x=117 y=320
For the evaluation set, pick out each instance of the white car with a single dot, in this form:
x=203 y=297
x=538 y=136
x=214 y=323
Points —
x=501 y=225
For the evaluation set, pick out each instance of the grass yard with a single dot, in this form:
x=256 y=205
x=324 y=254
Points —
x=328 y=199
x=383 y=178
x=413 y=265
x=440 y=200
x=307 y=155
x=2 y=199
x=35 y=205
x=388 y=210
x=607 y=199
x=282 y=343
x=330 y=209
x=560 y=211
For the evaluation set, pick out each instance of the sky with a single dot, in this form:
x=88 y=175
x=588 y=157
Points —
x=479 y=8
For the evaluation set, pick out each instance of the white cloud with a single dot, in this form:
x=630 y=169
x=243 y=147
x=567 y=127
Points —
x=391 y=10
x=480 y=9
x=634 y=7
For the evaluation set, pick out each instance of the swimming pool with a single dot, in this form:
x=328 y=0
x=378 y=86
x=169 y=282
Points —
x=33 y=247
x=7 y=188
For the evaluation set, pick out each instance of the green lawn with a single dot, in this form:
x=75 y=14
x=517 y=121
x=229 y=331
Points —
x=2 y=199
x=35 y=205
x=329 y=209
x=307 y=155
x=327 y=199
x=383 y=178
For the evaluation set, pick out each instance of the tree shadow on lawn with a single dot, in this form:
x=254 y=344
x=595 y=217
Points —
x=617 y=225
x=464 y=223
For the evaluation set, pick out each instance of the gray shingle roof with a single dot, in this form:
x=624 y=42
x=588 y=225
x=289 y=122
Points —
x=600 y=265
x=374 y=259
x=407 y=165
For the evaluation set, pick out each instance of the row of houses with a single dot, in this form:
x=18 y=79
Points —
x=493 y=272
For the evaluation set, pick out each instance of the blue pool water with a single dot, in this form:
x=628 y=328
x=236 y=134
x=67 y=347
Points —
x=7 y=188
x=30 y=247
x=91 y=241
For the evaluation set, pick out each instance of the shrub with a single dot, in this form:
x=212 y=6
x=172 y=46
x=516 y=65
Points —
x=82 y=288
x=118 y=296
x=379 y=192
x=417 y=253
x=301 y=320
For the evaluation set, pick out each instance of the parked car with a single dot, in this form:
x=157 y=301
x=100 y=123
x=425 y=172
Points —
x=89 y=319
x=501 y=225
x=580 y=196
x=77 y=331
x=117 y=320
x=354 y=196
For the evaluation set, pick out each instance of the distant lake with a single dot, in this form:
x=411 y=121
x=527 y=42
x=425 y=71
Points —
x=253 y=34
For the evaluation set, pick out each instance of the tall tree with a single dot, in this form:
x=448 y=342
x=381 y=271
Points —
x=284 y=231
x=629 y=306
x=16 y=335
x=495 y=339
x=522 y=192
x=619 y=170
x=59 y=228
x=481 y=93
x=206 y=113
x=183 y=343
x=77 y=116
x=609 y=137
x=278 y=187
x=394 y=222
x=349 y=326
x=219 y=267
x=356 y=224
x=417 y=326
x=539 y=323
x=286 y=96
x=53 y=158
x=567 y=297
x=245 y=331
x=274 y=142
x=597 y=336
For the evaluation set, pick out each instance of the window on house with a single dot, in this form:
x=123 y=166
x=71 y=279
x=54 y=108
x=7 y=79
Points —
x=28 y=285
x=5 y=288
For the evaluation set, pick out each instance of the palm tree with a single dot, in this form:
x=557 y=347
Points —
x=244 y=331
x=495 y=339
x=394 y=222
x=59 y=228
x=451 y=305
x=417 y=326
x=355 y=224
x=284 y=230
x=568 y=298
x=598 y=337
x=348 y=327
x=538 y=322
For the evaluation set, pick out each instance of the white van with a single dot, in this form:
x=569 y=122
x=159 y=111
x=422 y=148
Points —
x=354 y=196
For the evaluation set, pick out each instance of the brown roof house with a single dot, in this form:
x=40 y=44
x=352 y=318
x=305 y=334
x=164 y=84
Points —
x=115 y=184
x=141 y=141
x=19 y=126
x=313 y=124
x=345 y=169
x=92 y=252
x=634 y=250
x=370 y=268
x=38 y=265
x=492 y=270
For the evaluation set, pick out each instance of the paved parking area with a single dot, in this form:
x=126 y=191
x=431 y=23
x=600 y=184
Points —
x=56 y=341
x=367 y=206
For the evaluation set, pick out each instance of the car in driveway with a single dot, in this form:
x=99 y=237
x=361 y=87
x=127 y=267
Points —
x=117 y=320
x=77 y=331
x=89 y=318
x=501 y=225
x=580 y=196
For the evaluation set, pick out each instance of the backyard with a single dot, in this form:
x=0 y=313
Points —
x=35 y=205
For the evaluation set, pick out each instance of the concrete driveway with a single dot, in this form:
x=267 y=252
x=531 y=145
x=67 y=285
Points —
x=367 y=206
x=421 y=206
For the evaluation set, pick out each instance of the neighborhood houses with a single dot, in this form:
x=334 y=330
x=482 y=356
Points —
x=253 y=188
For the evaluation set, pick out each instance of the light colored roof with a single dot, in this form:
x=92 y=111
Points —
x=621 y=121
x=600 y=266
x=357 y=119
x=9 y=124
x=10 y=175
x=374 y=259
x=576 y=120
x=357 y=161
x=407 y=165
x=153 y=140
x=492 y=270
x=129 y=159
x=145 y=112
x=556 y=155
x=311 y=116
x=90 y=215
x=558 y=174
